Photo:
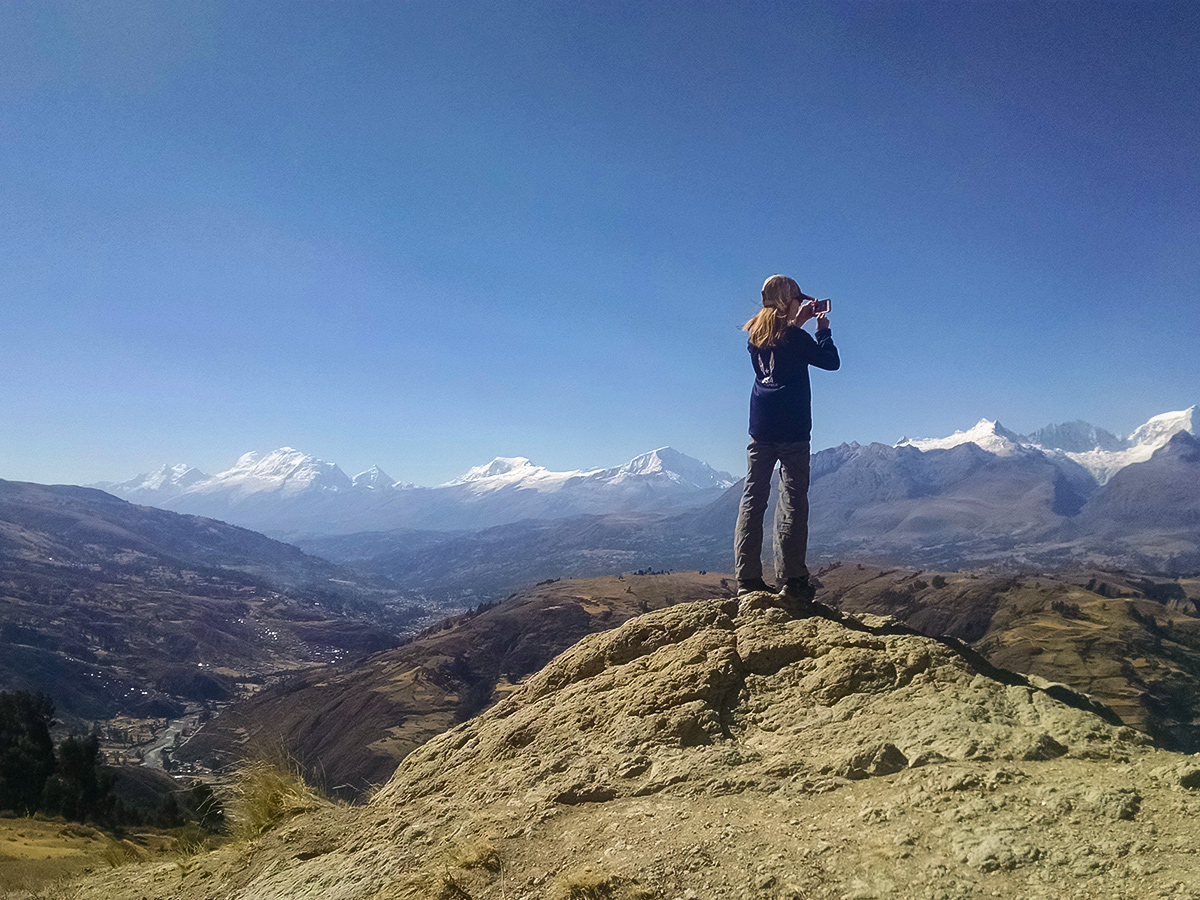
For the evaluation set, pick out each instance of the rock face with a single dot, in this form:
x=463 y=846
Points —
x=732 y=750
x=1130 y=641
x=707 y=695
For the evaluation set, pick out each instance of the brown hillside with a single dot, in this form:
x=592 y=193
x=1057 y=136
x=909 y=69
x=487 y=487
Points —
x=127 y=615
x=726 y=750
x=1132 y=642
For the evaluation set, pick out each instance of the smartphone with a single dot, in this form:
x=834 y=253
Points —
x=822 y=307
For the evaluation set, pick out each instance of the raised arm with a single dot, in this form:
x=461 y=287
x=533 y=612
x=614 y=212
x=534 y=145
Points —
x=826 y=354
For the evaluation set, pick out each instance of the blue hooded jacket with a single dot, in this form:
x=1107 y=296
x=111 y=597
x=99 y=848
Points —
x=781 y=400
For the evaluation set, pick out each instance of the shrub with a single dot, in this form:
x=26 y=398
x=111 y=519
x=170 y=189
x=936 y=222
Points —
x=589 y=885
x=480 y=856
x=208 y=808
x=1067 y=610
x=449 y=889
x=266 y=793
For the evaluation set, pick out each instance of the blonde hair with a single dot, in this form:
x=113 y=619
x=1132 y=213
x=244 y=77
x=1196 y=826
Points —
x=767 y=327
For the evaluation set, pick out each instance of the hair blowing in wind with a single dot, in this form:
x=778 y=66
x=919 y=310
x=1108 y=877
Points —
x=768 y=324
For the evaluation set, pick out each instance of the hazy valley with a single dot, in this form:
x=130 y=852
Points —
x=129 y=616
x=1015 y=506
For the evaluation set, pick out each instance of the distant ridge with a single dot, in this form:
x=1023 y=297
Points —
x=982 y=495
x=1099 y=451
x=287 y=492
x=1021 y=508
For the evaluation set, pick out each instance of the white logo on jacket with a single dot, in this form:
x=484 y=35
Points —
x=764 y=366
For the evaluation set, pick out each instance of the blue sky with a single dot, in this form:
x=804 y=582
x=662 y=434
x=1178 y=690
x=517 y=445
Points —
x=425 y=234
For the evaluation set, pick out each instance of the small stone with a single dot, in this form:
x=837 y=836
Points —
x=1122 y=803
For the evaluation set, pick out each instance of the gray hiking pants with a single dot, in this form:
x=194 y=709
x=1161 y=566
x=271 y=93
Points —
x=791 y=510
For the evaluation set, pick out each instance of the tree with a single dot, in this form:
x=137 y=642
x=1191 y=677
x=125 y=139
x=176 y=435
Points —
x=81 y=785
x=168 y=814
x=26 y=749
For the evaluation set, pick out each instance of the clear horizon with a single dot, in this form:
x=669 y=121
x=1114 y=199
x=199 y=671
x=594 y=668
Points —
x=425 y=235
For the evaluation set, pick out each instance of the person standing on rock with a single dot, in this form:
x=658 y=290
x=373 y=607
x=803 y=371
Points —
x=780 y=431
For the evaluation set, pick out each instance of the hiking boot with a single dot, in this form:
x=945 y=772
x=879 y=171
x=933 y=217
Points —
x=752 y=585
x=796 y=598
x=801 y=589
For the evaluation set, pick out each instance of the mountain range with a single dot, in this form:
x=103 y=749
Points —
x=988 y=495
x=998 y=499
x=287 y=493
x=1100 y=452
x=879 y=491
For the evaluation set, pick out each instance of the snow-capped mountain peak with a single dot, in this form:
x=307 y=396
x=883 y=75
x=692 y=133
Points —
x=1162 y=428
x=664 y=471
x=1074 y=437
x=987 y=434
x=165 y=481
x=1140 y=446
x=181 y=476
x=286 y=470
x=668 y=464
x=374 y=479
x=512 y=468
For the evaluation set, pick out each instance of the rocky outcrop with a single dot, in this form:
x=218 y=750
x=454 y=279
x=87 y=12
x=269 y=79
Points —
x=725 y=750
x=711 y=695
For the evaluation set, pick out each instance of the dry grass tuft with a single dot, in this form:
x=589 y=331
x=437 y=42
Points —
x=192 y=840
x=58 y=889
x=588 y=885
x=266 y=793
x=479 y=856
x=120 y=853
x=51 y=892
